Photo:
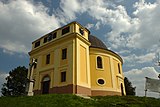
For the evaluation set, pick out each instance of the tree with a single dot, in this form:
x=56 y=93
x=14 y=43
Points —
x=130 y=90
x=16 y=82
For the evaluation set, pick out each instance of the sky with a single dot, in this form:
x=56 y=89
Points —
x=131 y=28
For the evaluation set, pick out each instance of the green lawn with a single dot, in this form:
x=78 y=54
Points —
x=68 y=100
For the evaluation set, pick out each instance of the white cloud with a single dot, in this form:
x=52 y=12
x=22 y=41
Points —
x=137 y=78
x=2 y=79
x=140 y=32
x=89 y=26
x=24 y=22
x=146 y=58
x=149 y=25
x=68 y=10
x=104 y=12
x=21 y=22
x=124 y=52
x=141 y=58
x=97 y=26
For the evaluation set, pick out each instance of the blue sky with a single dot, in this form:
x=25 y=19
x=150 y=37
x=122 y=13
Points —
x=128 y=27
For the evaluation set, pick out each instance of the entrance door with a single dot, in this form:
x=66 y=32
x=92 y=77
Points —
x=45 y=85
x=45 y=89
x=122 y=89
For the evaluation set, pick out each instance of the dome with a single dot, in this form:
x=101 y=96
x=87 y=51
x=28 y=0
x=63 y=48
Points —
x=96 y=43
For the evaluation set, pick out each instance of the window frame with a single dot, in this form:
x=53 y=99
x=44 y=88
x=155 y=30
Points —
x=99 y=62
x=119 y=69
x=65 y=30
x=48 y=58
x=54 y=35
x=64 y=53
x=81 y=31
x=45 y=40
x=37 y=44
x=50 y=36
x=63 y=76
x=99 y=83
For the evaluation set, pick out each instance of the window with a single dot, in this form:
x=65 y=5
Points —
x=64 y=53
x=65 y=30
x=35 y=65
x=49 y=37
x=54 y=35
x=45 y=40
x=100 y=81
x=99 y=62
x=122 y=89
x=48 y=59
x=119 y=68
x=81 y=31
x=63 y=76
x=37 y=44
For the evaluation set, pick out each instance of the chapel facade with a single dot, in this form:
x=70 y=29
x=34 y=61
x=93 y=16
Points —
x=71 y=60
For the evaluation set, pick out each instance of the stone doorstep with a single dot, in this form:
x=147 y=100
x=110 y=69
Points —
x=83 y=96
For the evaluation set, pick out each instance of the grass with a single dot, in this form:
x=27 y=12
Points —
x=68 y=100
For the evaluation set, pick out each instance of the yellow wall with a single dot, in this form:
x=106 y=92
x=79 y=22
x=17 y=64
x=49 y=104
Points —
x=109 y=72
x=97 y=73
x=83 y=65
x=56 y=64
x=119 y=76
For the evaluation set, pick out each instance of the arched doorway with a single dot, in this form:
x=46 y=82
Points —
x=122 y=91
x=45 y=85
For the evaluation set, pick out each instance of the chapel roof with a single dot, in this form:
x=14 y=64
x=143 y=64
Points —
x=96 y=43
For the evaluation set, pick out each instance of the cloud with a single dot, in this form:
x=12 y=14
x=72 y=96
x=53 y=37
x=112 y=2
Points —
x=141 y=58
x=148 y=28
x=2 y=79
x=138 y=32
x=97 y=26
x=137 y=78
x=105 y=13
x=94 y=26
x=89 y=26
x=22 y=22
x=25 y=21
x=67 y=10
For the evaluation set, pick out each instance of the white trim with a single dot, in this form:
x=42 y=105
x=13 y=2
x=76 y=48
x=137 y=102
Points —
x=102 y=63
x=101 y=84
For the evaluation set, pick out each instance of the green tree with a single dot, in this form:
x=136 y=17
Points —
x=16 y=82
x=130 y=90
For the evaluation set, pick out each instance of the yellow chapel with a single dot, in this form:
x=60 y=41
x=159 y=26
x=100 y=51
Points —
x=71 y=60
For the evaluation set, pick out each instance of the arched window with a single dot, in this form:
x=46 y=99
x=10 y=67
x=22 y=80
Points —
x=99 y=62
